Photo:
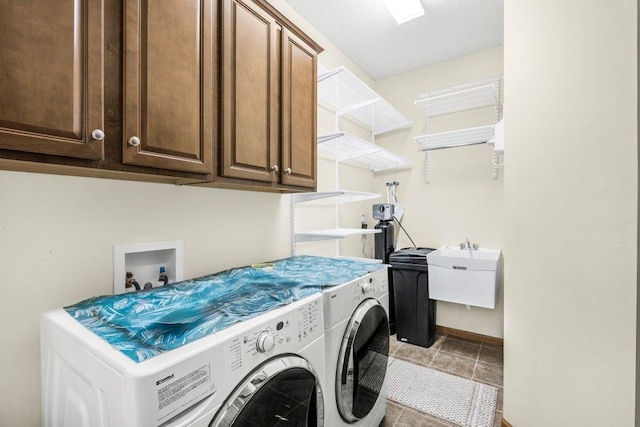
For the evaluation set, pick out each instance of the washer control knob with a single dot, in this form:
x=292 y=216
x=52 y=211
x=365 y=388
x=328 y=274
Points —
x=367 y=287
x=265 y=342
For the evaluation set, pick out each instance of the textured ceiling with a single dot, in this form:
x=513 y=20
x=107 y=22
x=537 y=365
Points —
x=365 y=31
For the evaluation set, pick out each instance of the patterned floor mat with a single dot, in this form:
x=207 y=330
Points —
x=457 y=400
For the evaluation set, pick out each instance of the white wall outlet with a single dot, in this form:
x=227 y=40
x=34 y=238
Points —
x=144 y=261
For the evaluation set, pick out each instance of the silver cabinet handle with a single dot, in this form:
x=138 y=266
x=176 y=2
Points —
x=288 y=171
x=97 y=134
x=134 y=141
x=275 y=168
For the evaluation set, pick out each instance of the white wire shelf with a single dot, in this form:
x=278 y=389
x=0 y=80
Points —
x=345 y=147
x=307 y=197
x=456 y=138
x=381 y=117
x=353 y=98
x=356 y=196
x=341 y=196
x=332 y=234
x=467 y=96
x=385 y=160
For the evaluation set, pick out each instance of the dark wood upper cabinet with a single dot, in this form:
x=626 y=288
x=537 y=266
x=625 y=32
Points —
x=218 y=93
x=51 y=77
x=250 y=87
x=169 y=89
x=269 y=78
x=299 y=104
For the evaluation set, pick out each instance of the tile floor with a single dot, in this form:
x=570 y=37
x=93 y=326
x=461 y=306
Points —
x=457 y=356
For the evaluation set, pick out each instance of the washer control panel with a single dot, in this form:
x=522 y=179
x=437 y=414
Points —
x=339 y=301
x=372 y=285
x=294 y=329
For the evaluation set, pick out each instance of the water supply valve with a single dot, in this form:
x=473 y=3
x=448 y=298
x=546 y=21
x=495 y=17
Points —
x=164 y=278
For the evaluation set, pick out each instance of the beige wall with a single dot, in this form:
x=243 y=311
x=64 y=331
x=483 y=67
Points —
x=571 y=204
x=462 y=200
x=57 y=235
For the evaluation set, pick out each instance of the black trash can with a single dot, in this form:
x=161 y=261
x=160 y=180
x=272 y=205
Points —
x=415 y=311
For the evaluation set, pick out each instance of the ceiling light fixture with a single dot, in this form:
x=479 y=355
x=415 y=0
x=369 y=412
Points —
x=404 y=10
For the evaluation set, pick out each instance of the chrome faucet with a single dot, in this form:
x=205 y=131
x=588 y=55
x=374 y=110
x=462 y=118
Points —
x=467 y=245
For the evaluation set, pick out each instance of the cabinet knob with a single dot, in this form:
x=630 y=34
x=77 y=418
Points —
x=97 y=134
x=134 y=141
x=288 y=171
x=275 y=168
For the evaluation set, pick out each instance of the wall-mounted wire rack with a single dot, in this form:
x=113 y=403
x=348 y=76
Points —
x=346 y=147
x=456 y=138
x=454 y=99
x=341 y=197
x=353 y=98
x=349 y=97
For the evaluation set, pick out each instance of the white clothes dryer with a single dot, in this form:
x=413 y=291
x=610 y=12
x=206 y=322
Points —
x=266 y=371
x=356 y=319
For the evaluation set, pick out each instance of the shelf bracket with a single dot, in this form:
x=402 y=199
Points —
x=328 y=74
x=325 y=138
x=426 y=167
x=496 y=165
x=496 y=119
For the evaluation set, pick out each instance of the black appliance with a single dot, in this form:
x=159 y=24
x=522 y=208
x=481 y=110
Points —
x=383 y=248
x=415 y=311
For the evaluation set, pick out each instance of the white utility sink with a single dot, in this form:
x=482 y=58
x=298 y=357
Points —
x=464 y=276
x=471 y=259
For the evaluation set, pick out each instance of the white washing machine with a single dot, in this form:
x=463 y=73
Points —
x=356 y=319
x=266 y=371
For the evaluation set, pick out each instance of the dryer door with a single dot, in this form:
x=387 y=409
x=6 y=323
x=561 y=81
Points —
x=362 y=363
x=284 y=391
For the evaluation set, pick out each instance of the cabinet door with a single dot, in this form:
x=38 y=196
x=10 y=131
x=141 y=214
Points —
x=250 y=93
x=168 y=84
x=51 y=87
x=299 y=117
